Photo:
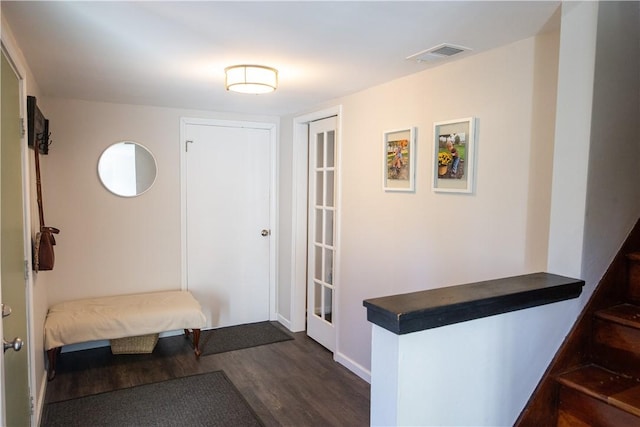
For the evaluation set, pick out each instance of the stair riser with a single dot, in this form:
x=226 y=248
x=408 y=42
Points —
x=617 y=360
x=616 y=347
x=633 y=279
x=577 y=406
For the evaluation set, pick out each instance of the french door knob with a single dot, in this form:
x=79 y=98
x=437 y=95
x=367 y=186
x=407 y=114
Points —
x=265 y=232
x=16 y=344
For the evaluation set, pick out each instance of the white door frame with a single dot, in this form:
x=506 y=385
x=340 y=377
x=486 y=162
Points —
x=273 y=212
x=11 y=53
x=299 y=214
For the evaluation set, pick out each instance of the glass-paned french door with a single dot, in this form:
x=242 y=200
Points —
x=321 y=239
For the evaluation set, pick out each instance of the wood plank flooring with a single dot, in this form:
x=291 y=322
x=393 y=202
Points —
x=290 y=383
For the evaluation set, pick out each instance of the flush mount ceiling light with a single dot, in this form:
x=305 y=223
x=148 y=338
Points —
x=251 y=79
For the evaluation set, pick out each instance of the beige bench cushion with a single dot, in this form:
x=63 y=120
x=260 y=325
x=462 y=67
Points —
x=121 y=316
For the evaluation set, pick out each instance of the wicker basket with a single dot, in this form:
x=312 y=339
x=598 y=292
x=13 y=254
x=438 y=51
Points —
x=134 y=345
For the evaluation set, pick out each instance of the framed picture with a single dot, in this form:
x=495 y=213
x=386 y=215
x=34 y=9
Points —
x=453 y=155
x=399 y=160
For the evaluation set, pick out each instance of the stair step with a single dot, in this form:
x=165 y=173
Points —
x=597 y=382
x=633 y=256
x=616 y=339
x=624 y=314
x=597 y=396
x=566 y=419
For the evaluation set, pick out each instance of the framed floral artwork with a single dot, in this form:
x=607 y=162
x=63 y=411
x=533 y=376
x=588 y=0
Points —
x=399 y=160
x=454 y=155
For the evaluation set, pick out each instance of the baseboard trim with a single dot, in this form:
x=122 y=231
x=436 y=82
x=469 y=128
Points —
x=354 y=367
x=40 y=401
x=285 y=322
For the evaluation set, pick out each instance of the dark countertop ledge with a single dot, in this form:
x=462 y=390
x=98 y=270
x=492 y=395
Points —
x=417 y=311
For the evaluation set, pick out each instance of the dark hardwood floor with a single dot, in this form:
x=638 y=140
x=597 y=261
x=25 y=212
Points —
x=290 y=383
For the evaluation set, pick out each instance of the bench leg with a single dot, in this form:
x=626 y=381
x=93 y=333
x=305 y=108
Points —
x=52 y=356
x=196 y=340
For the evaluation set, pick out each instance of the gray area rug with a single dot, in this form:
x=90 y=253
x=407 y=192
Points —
x=231 y=338
x=199 y=400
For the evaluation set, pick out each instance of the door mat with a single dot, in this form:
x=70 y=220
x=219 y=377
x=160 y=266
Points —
x=232 y=338
x=208 y=399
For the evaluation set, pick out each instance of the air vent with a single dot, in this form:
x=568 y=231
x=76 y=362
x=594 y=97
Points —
x=441 y=51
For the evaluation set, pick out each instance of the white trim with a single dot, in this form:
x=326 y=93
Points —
x=273 y=203
x=39 y=405
x=26 y=200
x=338 y=232
x=299 y=215
x=284 y=321
x=299 y=207
x=354 y=367
x=183 y=204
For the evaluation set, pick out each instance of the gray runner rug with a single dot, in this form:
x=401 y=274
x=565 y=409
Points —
x=199 y=400
x=231 y=338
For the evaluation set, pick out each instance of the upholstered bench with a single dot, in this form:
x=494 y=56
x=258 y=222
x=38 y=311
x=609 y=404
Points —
x=120 y=316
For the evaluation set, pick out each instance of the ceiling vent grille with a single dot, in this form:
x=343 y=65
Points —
x=441 y=51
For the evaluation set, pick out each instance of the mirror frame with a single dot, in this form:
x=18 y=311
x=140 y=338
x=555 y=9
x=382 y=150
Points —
x=111 y=190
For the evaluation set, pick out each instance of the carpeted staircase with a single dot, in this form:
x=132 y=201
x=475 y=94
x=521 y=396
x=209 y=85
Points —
x=606 y=391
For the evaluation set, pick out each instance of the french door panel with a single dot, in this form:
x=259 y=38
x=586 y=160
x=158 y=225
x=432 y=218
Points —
x=321 y=306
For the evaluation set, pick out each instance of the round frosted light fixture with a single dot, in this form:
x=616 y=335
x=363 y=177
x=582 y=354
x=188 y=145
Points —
x=251 y=79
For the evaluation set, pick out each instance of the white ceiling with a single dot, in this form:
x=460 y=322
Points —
x=173 y=54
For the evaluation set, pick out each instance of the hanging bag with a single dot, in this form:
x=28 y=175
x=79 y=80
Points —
x=43 y=256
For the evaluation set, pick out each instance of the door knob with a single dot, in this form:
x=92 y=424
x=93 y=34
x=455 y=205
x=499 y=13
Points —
x=16 y=344
x=265 y=232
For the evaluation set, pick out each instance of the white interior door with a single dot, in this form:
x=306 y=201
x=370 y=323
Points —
x=321 y=302
x=15 y=385
x=228 y=236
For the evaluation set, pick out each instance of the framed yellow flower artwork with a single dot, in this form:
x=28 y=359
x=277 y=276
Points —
x=454 y=155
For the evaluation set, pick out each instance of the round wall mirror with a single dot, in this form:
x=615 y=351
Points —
x=127 y=169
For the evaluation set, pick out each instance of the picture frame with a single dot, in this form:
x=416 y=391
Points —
x=454 y=155
x=399 y=160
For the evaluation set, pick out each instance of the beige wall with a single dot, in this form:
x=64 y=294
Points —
x=108 y=244
x=596 y=200
x=613 y=198
x=396 y=243
x=390 y=242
